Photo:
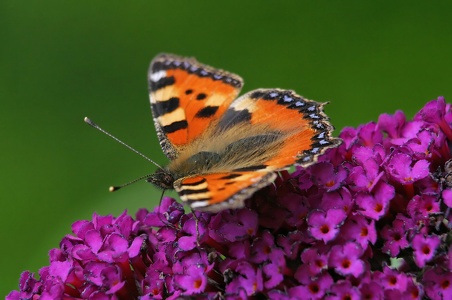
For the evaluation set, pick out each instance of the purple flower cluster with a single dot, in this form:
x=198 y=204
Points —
x=370 y=220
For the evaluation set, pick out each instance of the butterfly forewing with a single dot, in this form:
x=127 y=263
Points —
x=186 y=97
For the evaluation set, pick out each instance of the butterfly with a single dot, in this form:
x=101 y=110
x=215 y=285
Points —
x=222 y=148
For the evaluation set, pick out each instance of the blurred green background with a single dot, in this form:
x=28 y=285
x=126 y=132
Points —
x=63 y=60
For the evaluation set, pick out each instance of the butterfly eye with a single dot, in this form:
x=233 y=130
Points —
x=161 y=179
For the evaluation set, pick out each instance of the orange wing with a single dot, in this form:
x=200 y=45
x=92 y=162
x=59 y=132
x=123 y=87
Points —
x=301 y=129
x=216 y=192
x=186 y=97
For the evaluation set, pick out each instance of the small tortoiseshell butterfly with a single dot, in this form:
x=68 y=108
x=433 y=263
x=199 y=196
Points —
x=222 y=148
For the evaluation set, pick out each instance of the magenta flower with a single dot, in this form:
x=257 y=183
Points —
x=325 y=225
x=344 y=290
x=360 y=230
x=438 y=284
x=314 y=262
x=393 y=280
x=375 y=204
x=370 y=220
x=325 y=175
x=311 y=287
x=402 y=168
x=345 y=259
x=424 y=248
x=395 y=237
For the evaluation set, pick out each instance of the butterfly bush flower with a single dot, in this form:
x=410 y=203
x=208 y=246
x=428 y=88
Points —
x=370 y=220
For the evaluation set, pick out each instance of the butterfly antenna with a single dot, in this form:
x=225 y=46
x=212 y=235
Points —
x=117 y=187
x=92 y=124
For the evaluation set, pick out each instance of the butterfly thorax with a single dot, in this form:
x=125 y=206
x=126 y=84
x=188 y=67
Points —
x=236 y=149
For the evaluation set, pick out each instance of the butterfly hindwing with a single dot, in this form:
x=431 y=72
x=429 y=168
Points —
x=186 y=97
x=215 y=192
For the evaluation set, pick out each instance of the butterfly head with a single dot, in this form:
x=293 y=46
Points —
x=161 y=179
